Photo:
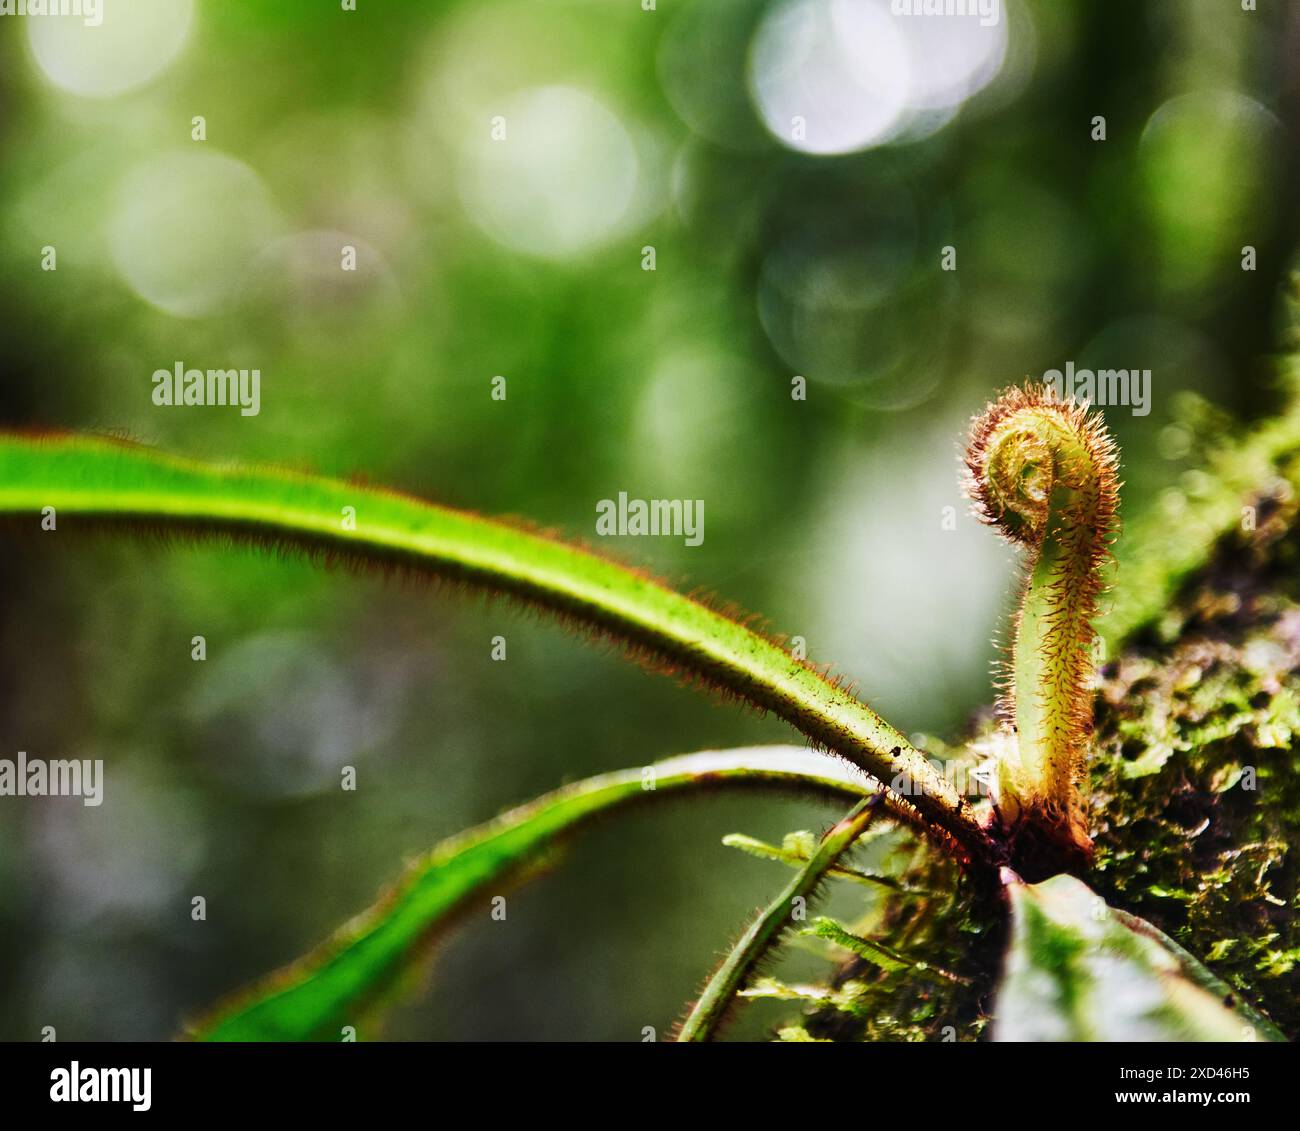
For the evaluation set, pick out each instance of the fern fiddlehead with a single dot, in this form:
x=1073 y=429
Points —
x=1044 y=472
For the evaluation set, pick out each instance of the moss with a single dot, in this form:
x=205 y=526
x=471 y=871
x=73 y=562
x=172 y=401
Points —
x=1195 y=783
x=961 y=930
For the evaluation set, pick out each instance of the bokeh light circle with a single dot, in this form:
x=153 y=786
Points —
x=134 y=42
x=184 y=228
x=829 y=78
x=952 y=55
x=561 y=180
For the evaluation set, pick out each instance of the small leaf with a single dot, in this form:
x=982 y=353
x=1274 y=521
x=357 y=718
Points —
x=1078 y=970
x=846 y=998
x=796 y=852
x=875 y=953
x=797 y=1034
x=714 y=1003
x=802 y=844
x=878 y=954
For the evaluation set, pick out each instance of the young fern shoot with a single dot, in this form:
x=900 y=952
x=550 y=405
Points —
x=1044 y=473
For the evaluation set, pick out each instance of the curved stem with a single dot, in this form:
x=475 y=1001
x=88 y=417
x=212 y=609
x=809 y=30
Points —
x=335 y=983
x=729 y=979
x=99 y=481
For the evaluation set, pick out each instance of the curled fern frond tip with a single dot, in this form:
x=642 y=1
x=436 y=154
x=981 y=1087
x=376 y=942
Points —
x=1044 y=473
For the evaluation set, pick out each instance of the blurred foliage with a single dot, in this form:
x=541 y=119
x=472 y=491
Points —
x=371 y=129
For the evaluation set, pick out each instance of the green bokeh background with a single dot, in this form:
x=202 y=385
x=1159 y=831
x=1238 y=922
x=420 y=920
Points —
x=827 y=515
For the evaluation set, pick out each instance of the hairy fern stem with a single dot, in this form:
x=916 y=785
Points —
x=709 y=1012
x=1043 y=472
x=96 y=482
x=341 y=979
